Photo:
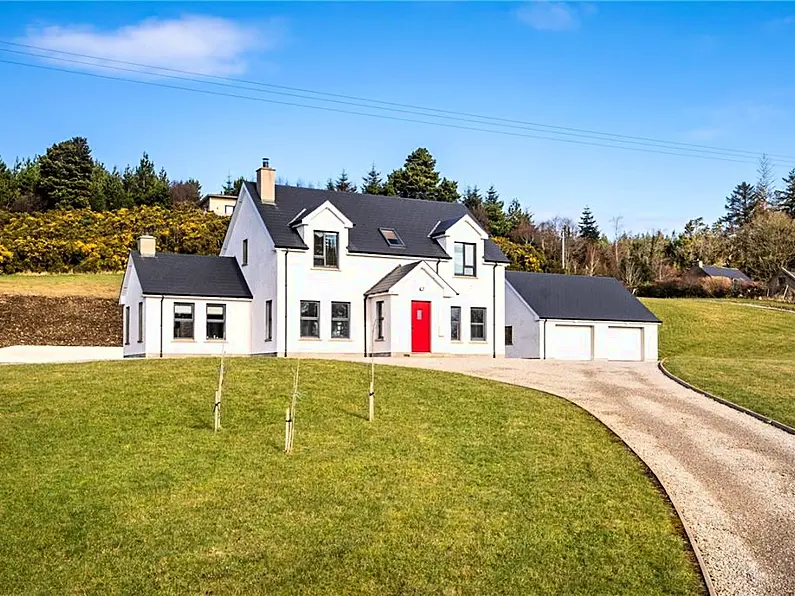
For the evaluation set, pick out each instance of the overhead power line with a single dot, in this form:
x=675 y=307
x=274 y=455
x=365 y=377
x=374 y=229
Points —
x=409 y=108
x=611 y=145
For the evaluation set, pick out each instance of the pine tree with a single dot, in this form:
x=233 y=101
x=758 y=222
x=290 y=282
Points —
x=343 y=184
x=372 y=184
x=498 y=225
x=785 y=199
x=474 y=203
x=418 y=179
x=66 y=170
x=231 y=187
x=765 y=188
x=145 y=186
x=740 y=206
x=587 y=227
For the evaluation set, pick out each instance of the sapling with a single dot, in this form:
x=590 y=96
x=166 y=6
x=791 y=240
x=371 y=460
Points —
x=289 y=431
x=217 y=403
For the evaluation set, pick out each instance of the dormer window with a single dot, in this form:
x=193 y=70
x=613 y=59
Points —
x=392 y=238
x=326 y=250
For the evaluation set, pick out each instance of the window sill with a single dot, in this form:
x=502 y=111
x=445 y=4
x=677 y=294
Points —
x=456 y=341
x=340 y=339
x=478 y=341
x=325 y=268
x=309 y=339
x=183 y=340
x=465 y=276
x=215 y=341
x=381 y=339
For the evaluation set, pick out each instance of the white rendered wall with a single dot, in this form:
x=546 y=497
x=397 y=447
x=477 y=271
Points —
x=600 y=336
x=526 y=327
x=131 y=296
x=260 y=273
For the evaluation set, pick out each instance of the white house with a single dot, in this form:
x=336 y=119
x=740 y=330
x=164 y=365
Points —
x=218 y=204
x=321 y=272
x=576 y=317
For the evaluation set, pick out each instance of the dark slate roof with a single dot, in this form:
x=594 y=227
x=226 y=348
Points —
x=445 y=225
x=387 y=282
x=581 y=297
x=729 y=272
x=190 y=275
x=412 y=219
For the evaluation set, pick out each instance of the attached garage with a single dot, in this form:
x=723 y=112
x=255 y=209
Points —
x=575 y=317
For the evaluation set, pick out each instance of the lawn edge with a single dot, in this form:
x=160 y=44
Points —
x=688 y=534
x=724 y=401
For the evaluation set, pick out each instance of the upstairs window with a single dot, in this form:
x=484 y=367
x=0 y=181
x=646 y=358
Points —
x=183 y=320
x=326 y=250
x=464 y=259
x=216 y=321
x=392 y=238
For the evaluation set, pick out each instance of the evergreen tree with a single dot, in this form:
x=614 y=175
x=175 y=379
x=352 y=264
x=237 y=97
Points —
x=7 y=186
x=372 y=184
x=26 y=189
x=785 y=199
x=587 y=227
x=474 y=203
x=418 y=179
x=145 y=186
x=231 y=187
x=498 y=225
x=329 y=184
x=765 y=189
x=343 y=184
x=740 y=206
x=66 y=170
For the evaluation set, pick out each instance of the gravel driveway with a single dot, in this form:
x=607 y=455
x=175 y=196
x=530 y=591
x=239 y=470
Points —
x=731 y=476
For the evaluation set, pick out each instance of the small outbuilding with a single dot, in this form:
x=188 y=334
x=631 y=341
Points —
x=782 y=285
x=730 y=274
x=576 y=317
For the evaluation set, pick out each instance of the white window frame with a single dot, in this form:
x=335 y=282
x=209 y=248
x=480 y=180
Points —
x=244 y=257
x=140 y=322
x=192 y=321
x=455 y=326
x=346 y=320
x=321 y=235
x=379 y=320
x=269 y=320
x=208 y=321
x=509 y=335
x=461 y=266
x=302 y=318
x=472 y=324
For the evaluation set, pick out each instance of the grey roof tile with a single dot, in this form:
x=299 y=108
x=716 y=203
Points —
x=175 y=274
x=581 y=297
x=412 y=219
x=728 y=272
x=387 y=282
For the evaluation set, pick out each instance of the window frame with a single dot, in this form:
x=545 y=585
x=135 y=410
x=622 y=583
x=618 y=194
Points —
x=346 y=320
x=379 y=320
x=244 y=258
x=192 y=322
x=302 y=318
x=229 y=209
x=207 y=321
x=455 y=325
x=396 y=241
x=473 y=325
x=140 y=322
x=509 y=335
x=126 y=325
x=269 y=320
x=463 y=271
x=324 y=234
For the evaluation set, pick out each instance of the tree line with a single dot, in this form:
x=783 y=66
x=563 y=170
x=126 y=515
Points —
x=67 y=176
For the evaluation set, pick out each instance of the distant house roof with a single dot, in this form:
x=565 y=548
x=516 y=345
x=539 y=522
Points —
x=190 y=275
x=580 y=297
x=412 y=219
x=206 y=199
x=728 y=272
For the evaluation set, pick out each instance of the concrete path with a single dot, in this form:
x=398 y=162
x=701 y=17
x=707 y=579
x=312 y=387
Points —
x=48 y=354
x=731 y=476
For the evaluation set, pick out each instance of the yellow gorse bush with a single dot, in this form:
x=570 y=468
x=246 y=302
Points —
x=91 y=241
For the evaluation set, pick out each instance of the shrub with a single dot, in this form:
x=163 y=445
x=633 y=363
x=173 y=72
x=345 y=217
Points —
x=84 y=240
x=687 y=287
x=523 y=257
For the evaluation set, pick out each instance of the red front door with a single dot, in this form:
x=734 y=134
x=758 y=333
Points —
x=420 y=326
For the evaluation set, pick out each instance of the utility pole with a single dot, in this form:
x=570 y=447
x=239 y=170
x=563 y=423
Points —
x=563 y=247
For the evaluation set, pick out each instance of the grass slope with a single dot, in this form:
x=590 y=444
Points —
x=112 y=481
x=742 y=353
x=96 y=285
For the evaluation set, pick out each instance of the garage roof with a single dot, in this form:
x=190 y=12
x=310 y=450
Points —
x=173 y=274
x=579 y=297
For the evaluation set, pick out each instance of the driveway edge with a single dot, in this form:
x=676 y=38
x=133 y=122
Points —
x=725 y=402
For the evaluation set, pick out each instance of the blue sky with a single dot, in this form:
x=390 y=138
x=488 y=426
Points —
x=706 y=73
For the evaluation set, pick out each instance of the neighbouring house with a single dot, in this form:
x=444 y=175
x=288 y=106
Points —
x=782 y=285
x=321 y=272
x=218 y=204
x=576 y=317
x=731 y=275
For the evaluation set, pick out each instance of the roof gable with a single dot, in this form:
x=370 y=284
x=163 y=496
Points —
x=175 y=274
x=393 y=279
x=580 y=297
x=412 y=219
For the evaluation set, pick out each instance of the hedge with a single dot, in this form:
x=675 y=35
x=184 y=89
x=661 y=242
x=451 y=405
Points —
x=60 y=241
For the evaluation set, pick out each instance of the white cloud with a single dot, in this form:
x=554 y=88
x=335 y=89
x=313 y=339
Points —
x=208 y=45
x=554 y=16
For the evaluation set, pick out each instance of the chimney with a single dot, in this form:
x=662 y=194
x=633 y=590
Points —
x=146 y=246
x=266 y=183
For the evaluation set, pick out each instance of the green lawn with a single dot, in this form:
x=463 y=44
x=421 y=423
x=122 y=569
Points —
x=746 y=355
x=111 y=481
x=99 y=285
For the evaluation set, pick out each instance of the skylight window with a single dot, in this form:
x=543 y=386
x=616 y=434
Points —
x=392 y=238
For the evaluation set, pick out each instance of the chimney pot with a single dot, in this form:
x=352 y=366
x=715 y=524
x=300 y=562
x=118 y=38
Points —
x=265 y=162
x=147 y=246
x=700 y=263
